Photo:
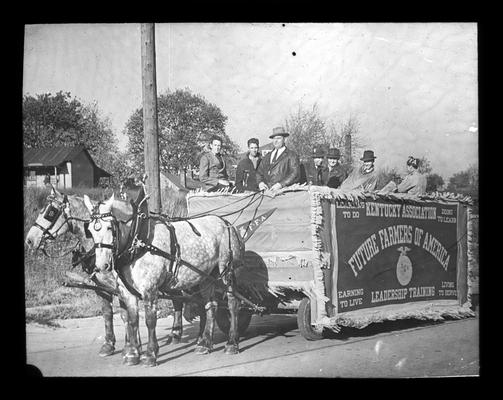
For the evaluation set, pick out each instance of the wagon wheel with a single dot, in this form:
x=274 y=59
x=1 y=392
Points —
x=304 y=321
x=224 y=323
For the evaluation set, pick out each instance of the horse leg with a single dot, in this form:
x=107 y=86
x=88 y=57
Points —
x=151 y=321
x=132 y=347
x=177 y=329
x=205 y=344
x=125 y=319
x=108 y=347
x=202 y=323
x=232 y=345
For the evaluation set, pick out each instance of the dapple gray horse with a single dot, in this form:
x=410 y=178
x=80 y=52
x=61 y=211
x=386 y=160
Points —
x=64 y=214
x=204 y=243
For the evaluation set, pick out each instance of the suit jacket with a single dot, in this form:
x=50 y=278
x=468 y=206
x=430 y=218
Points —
x=246 y=174
x=316 y=175
x=285 y=170
x=335 y=177
x=211 y=170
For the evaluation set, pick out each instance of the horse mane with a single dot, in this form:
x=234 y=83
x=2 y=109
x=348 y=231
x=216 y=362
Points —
x=122 y=209
x=77 y=206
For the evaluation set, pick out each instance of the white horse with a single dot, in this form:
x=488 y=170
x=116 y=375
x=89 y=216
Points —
x=204 y=244
x=63 y=214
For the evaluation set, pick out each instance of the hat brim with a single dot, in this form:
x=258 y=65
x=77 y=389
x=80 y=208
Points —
x=279 y=134
x=368 y=159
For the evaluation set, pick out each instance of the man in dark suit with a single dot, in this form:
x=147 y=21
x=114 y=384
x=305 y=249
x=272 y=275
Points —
x=316 y=170
x=246 y=178
x=336 y=173
x=280 y=167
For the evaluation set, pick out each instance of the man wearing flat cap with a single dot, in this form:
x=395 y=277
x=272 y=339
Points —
x=335 y=171
x=280 y=167
x=363 y=178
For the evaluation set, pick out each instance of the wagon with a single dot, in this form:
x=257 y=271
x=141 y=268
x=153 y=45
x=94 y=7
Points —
x=348 y=258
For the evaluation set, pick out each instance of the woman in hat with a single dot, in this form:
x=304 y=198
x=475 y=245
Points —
x=414 y=182
x=363 y=178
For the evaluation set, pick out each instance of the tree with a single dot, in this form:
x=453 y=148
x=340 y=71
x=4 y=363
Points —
x=465 y=182
x=60 y=120
x=186 y=123
x=434 y=182
x=307 y=129
x=425 y=166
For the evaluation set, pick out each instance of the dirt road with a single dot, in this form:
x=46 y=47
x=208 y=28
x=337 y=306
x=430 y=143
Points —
x=272 y=346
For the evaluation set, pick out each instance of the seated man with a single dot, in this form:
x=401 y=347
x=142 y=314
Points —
x=280 y=167
x=335 y=171
x=212 y=169
x=316 y=171
x=246 y=179
x=363 y=178
x=413 y=183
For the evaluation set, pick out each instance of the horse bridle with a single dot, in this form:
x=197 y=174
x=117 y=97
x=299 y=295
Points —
x=52 y=215
x=96 y=217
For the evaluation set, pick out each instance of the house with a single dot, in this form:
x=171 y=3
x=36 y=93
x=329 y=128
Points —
x=65 y=167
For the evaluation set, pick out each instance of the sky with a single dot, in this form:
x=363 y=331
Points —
x=411 y=86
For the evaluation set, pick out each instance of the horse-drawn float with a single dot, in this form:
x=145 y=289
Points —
x=349 y=258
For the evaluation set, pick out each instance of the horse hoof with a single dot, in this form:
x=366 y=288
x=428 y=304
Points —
x=231 y=349
x=202 y=350
x=106 y=350
x=131 y=360
x=149 y=361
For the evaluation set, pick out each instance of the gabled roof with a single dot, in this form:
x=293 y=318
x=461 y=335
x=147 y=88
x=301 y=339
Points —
x=55 y=156
x=51 y=156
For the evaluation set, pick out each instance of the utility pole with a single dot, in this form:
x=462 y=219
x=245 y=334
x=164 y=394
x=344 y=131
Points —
x=150 y=128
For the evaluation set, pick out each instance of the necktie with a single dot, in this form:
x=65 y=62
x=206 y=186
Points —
x=275 y=156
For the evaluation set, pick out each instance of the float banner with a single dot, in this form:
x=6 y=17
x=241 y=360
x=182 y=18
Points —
x=395 y=253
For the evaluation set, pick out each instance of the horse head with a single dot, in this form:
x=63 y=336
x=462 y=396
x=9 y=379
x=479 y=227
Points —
x=51 y=222
x=109 y=232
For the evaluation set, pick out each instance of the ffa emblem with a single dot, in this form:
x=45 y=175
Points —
x=248 y=228
x=403 y=266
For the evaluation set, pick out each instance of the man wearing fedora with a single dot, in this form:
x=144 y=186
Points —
x=316 y=170
x=246 y=173
x=280 y=167
x=336 y=173
x=212 y=168
x=363 y=178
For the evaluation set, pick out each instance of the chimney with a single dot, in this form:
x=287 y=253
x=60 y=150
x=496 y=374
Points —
x=347 y=149
x=183 y=177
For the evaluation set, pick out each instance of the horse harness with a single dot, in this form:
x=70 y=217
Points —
x=52 y=214
x=140 y=241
